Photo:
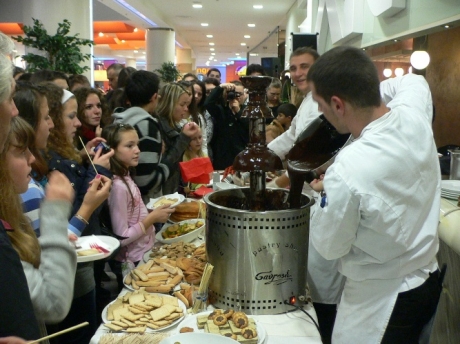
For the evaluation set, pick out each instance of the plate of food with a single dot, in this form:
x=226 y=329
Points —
x=94 y=247
x=197 y=338
x=172 y=200
x=185 y=231
x=228 y=323
x=139 y=312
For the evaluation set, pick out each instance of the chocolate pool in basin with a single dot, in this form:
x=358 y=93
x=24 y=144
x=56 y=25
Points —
x=256 y=240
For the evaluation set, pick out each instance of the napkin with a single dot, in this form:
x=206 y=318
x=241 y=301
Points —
x=202 y=190
x=196 y=170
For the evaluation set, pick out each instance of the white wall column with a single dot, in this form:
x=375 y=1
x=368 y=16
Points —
x=130 y=63
x=159 y=45
x=78 y=13
x=185 y=63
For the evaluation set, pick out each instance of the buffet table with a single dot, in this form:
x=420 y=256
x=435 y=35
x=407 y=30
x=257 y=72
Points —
x=294 y=327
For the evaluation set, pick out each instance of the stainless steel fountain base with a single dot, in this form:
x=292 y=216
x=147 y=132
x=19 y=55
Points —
x=259 y=258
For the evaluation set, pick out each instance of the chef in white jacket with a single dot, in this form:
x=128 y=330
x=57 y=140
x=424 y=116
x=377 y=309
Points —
x=381 y=198
x=324 y=280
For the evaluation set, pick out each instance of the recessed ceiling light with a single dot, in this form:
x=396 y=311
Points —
x=446 y=26
x=123 y=41
x=247 y=36
x=101 y=34
x=213 y=54
x=210 y=57
x=211 y=43
x=197 y=5
x=212 y=49
x=135 y=29
x=136 y=51
x=209 y=36
x=252 y=25
x=243 y=43
x=144 y=52
x=237 y=54
x=258 y=7
x=204 y=24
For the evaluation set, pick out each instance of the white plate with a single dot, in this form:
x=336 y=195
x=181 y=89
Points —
x=190 y=321
x=151 y=330
x=128 y=286
x=108 y=242
x=197 y=338
x=450 y=185
x=180 y=198
x=225 y=186
x=186 y=237
x=454 y=197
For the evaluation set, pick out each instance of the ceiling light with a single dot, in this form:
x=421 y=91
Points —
x=420 y=59
x=253 y=54
x=252 y=25
x=209 y=36
x=197 y=5
x=123 y=41
x=247 y=36
x=144 y=52
x=387 y=72
x=446 y=26
x=101 y=34
x=210 y=58
x=204 y=24
x=212 y=49
x=213 y=53
x=243 y=43
x=135 y=29
x=211 y=43
x=136 y=51
x=399 y=71
x=258 y=7
x=237 y=54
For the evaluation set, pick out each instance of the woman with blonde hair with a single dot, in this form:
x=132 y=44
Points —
x=172 y=108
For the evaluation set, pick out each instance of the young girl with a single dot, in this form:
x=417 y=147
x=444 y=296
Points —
x=128 y=213
x=49 y=264
x=194 y=150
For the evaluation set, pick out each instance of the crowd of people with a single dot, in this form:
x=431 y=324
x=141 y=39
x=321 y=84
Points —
x=77 y=162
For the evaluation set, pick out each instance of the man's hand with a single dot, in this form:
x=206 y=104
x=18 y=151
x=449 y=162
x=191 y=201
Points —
x=317 y=184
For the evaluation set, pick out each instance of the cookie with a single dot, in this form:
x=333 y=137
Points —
x=186 y=329
x=241 y=321
x=220 y=319
x=237 y=314
x=228 y=313
x=249 y=333
x=215 y=313
x=230 y=335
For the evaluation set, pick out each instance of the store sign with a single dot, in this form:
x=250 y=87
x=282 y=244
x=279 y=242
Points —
x=346 y=17
x=203 y=71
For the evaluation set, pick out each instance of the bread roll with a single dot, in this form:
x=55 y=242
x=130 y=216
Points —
x=188 y=211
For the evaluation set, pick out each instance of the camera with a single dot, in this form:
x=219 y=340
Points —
x=232 y=95
x=105 y=148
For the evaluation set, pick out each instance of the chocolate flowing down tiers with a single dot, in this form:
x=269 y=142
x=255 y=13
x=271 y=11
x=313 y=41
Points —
x=188 y=211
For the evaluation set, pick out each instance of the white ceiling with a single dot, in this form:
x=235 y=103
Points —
x=228 y=23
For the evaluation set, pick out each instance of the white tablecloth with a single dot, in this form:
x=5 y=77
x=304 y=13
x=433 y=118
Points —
x=293 y=328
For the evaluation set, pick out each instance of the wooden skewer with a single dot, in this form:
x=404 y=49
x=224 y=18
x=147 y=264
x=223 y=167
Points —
x=89 y=157
x=59 y=333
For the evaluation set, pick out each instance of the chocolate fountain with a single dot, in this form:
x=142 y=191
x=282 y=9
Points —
x=256 y=241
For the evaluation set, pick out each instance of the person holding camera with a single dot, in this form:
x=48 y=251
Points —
x=231 y=132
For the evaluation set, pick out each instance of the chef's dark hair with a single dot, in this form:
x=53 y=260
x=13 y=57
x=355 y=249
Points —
x=348 y=73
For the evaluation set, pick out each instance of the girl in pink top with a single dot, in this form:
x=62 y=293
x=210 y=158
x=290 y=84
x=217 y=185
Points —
x=130 y=218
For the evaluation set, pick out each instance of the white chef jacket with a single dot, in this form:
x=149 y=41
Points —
x=307 y=113
x=382 y=211
x=324 y=280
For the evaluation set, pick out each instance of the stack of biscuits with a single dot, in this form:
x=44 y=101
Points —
x=135 y=311
x=229 y=323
